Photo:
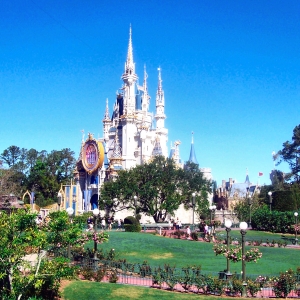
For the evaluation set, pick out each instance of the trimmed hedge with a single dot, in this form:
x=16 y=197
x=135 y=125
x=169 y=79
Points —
x=274 y=221
x=131 y=224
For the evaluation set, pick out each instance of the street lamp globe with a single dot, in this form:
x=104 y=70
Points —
x=243 y=225
x=228 y=223
x=194 y=194
x=270 y=193
x=295 y=214
x=70 y=211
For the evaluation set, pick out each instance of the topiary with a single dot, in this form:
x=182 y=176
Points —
x=131 y=224
x=131 y=220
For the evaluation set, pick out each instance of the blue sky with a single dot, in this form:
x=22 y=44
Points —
x=230 y=73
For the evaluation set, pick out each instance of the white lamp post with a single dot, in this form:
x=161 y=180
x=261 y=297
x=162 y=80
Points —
x=212 y=208
x=270 y=200
x=228 y=224
x=296 y=227
x=193 y=204
x=243 y=227
x=59 y=197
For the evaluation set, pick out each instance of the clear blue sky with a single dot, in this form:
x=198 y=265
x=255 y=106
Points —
x=230 y=73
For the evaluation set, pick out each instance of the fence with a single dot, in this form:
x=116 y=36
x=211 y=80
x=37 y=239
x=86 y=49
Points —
x=190 y=279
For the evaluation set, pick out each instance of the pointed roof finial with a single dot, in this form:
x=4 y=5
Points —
x=159 y=80
x=129 y=61
x=106 y=115
x=193 y=158
x=247 y=180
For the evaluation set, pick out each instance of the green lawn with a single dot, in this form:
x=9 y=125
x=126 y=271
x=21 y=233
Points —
x=158 y=250
x=83 y=290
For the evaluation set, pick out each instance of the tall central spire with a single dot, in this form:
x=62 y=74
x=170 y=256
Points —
x=129 y=65
x=193 y=158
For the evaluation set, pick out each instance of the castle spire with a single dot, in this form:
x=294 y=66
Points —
x=247 y=180
x=160 y=104
x=106 y=122
x=106 y=115
x=129 y=65
x=129 y=78
x=145 y=97
x=160 y=92
x=193 y=158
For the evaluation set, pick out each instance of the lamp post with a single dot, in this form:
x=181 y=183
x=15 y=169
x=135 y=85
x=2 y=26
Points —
x=96 y=214
x=212 y=208
x=70 y=212
x=296 y=227
x=223 y=215
x=249 y=200
x=193 y=204
x=270 y=200
x=59 y=197
x=228 y=224
x=243 y=227
x=135 y=201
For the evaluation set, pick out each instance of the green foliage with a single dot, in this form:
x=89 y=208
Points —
x=242 y=207
x=87 y=273
x=131 y=224
x=132 y=228
x=290 y=153
x=253 y=287
x=113 y=277
x=236 y=286
x=160 y=188
x=283 y=201
x=40 y=172
x=194 y=236
x=274 y=221
x=284 y=284
x=131 y=220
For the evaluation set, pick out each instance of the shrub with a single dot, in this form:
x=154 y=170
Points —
x=99 y=274
x=253 y=287
x=132 y=228
x=145 y=269
x=87 y=273
x=236 y=287
x=131 y=224
x=284 y=284
x=131 y=220
x=113 y=277
x=194 y=236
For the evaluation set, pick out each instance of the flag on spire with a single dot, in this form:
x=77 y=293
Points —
x=260 y=174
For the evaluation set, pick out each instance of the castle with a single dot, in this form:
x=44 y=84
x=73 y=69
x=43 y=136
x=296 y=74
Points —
x=132 y=135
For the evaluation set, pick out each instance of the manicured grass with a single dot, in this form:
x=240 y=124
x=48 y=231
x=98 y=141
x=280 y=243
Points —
x=83 y=290
x=158 y=250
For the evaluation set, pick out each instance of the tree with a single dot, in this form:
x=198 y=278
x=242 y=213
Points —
x=290 y=153
x=20 y=235
x=242 y=208
x=19 y=232
x=9 y=183
x=11 y=155
x=40 y=172
x=160 y=187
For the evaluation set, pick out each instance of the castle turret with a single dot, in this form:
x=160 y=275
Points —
x=193 y=158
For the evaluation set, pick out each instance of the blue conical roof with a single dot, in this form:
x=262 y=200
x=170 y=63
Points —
x=193 y=158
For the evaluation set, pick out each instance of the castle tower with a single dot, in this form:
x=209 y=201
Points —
x=106 y=123
x=160 y=116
